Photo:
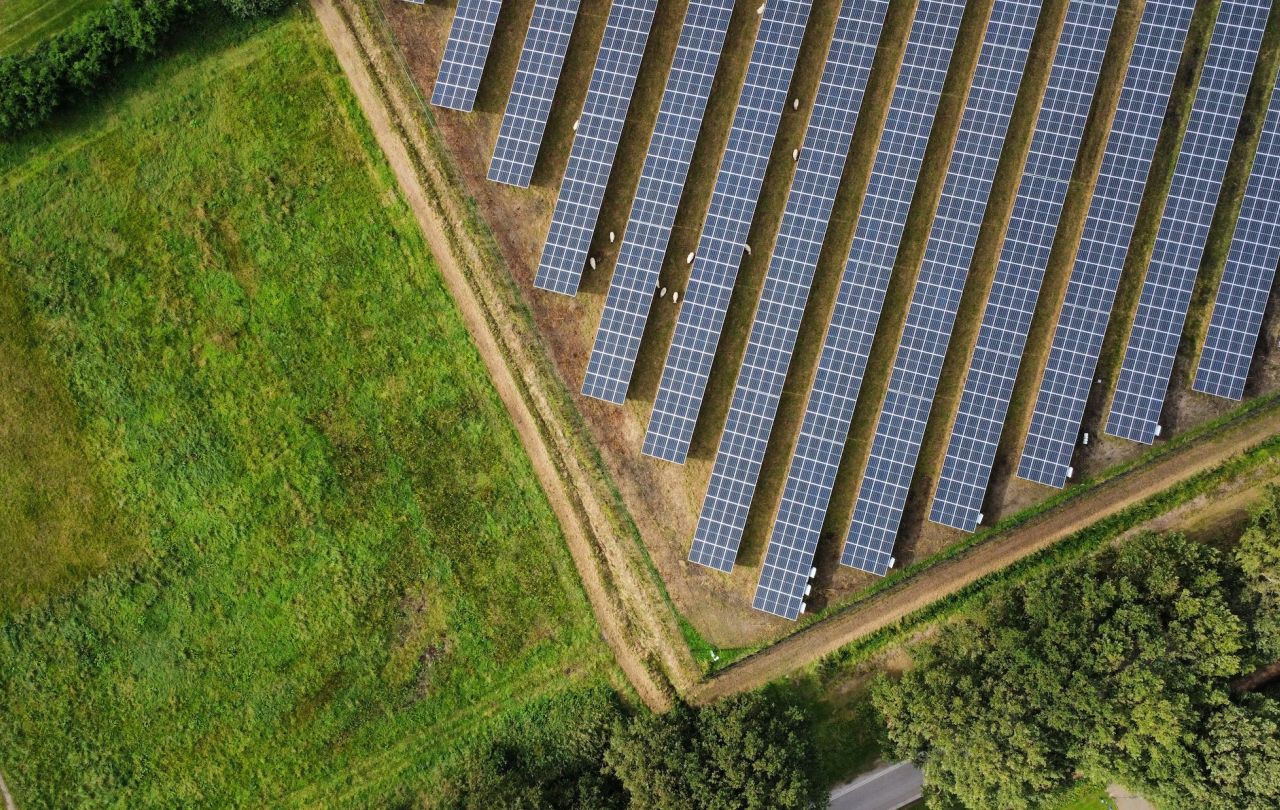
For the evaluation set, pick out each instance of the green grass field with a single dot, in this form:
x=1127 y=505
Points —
x=23 y=23
x=276 y=540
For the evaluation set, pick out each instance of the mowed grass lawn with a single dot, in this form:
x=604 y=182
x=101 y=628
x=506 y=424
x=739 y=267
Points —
x=23 y=23
x=268 y=536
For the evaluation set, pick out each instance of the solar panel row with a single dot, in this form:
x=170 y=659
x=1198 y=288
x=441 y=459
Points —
x=465 y=54
x=1108 y=229
x=653 y=212
x=532 y=92
x=1188 y=213
x=1249 y=272
x=1015 y=288
x=594 y=145
x=724 y=233
x=786 y=286
x=881 y=219
x=931 y=316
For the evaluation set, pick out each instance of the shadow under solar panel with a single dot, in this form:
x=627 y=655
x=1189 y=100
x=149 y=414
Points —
x=1184 y=226
x=786 y=287
x=882 y=494
x=1104 y=242
x=1015 y=289
x=811 y=475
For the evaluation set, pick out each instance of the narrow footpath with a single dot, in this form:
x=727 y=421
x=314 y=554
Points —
x=4 y=794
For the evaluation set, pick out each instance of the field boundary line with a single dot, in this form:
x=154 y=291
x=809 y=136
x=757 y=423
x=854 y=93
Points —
x=634 y=614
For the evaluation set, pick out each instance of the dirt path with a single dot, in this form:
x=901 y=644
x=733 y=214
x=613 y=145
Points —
x=634 y=616
x=826 y=637
x=4 y=794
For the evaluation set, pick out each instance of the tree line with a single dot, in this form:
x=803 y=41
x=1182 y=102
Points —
x=753 y=751
x=1117 y=668
x=75 y=62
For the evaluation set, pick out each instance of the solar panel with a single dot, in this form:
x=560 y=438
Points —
x=724 y=233
x=465 y=54
x=786 y=284
x=881 y=220
x=1188 y=213
x=927 y=329
x=532 y=92
x=594 y=145
x=1046 y=178
x=1082 y=321
x=653 y=212
x=1249 y=272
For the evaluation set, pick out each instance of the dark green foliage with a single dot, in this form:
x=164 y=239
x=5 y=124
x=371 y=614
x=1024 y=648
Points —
x=1239 y=757
x=1116 y=668
x=78 y=60
x=549 y=756
x=1258 y=555
x=248 y=9
x=72 y=63
x=655 y=757
x=751 y=751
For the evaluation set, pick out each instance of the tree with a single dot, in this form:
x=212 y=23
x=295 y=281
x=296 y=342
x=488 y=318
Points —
x=1240 y=757
x=1112 y=667
x=752 y=752
x=1258 y=555
x=248 y=9
x=654 y=755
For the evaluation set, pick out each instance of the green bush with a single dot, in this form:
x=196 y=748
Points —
x=753 y=751
x=75 y=62
x=750 y=752
x=1116 y=668
x=1258 y=556
x=248 y=9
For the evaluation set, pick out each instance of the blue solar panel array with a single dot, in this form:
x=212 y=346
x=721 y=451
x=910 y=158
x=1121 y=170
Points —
x=532 y=92
x=883 y=215
x=927 y=330
x=1082 y=321
x=653 y=212
x=724 y=233
x=1046 y=178
x=1249 y=273
x=465 y=54
x=594 y=145
x=1188 y=213
x=786 y=285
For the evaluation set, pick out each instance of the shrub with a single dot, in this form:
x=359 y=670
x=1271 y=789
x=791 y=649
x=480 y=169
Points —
x=753 y=751
x=75 y=62
x=248 y=9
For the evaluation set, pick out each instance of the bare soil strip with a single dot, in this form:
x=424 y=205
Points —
x=4 y=794
x=634 y=615
x=826 y=637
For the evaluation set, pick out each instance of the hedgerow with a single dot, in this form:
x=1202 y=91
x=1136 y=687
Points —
x=74 y=63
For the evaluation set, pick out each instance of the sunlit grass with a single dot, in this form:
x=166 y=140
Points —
x=328 y=564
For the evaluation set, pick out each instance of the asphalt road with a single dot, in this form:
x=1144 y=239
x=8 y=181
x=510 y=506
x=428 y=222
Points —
x=886 y=788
